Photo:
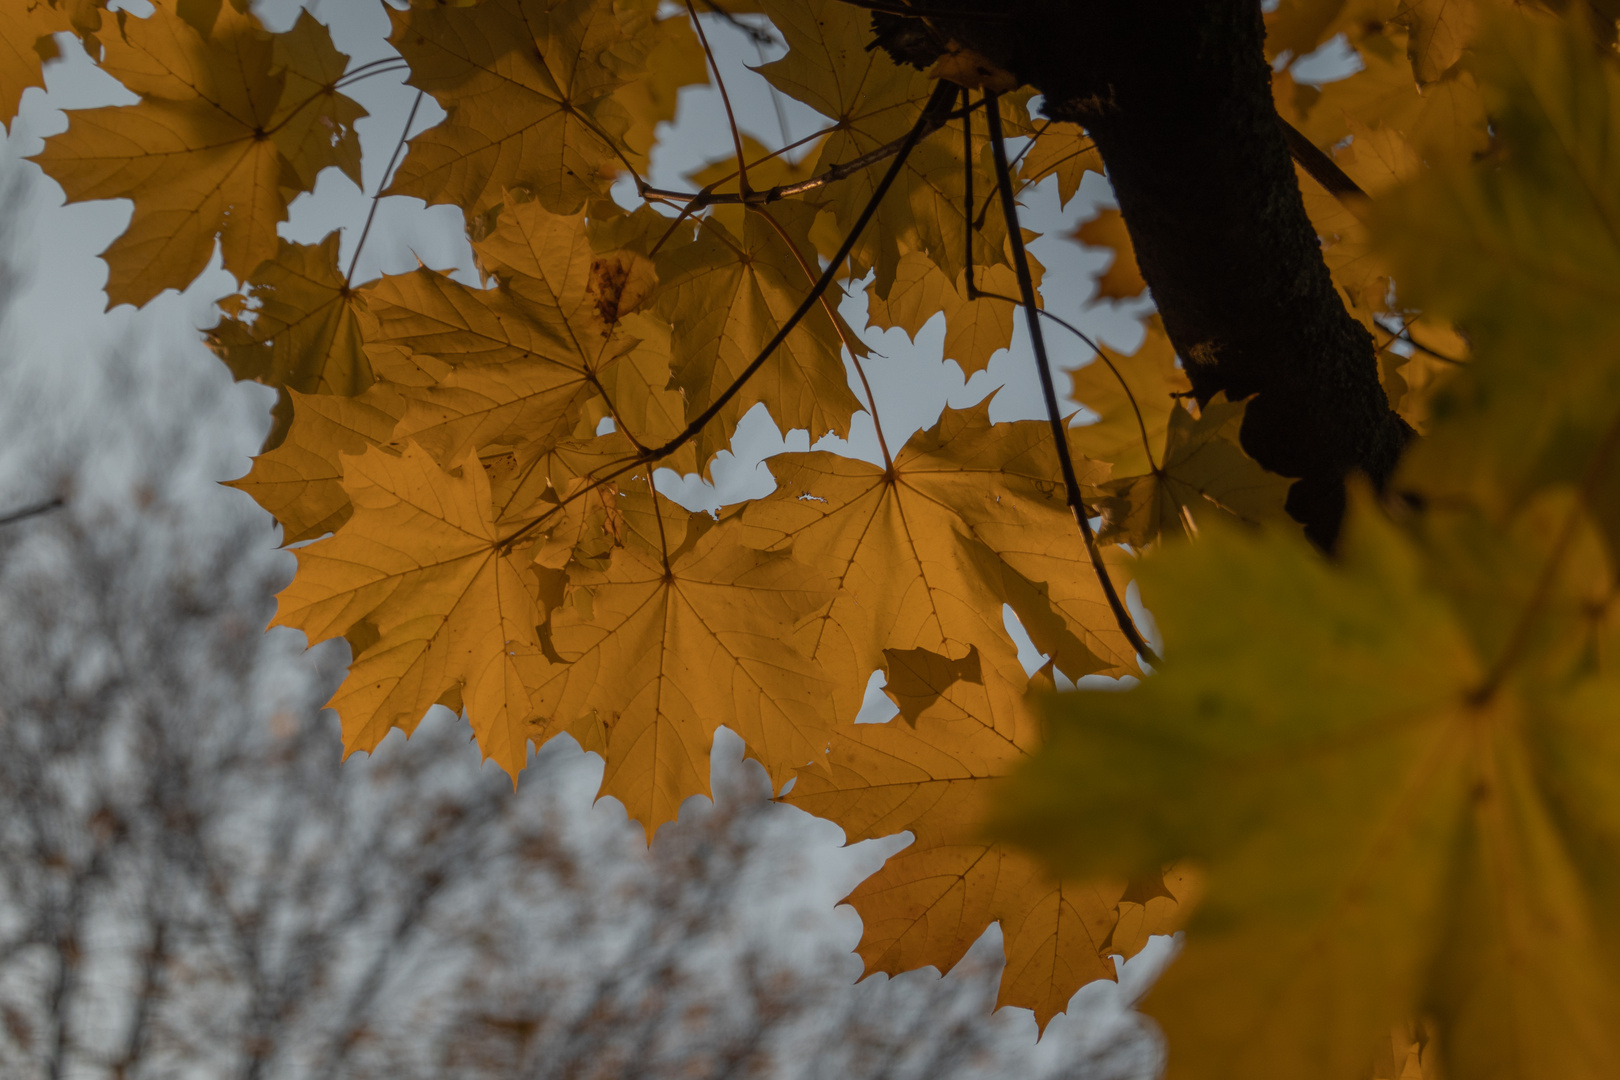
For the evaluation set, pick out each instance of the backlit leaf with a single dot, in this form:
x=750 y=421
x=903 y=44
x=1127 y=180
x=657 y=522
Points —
x=303 y=334
x=419 y=562
x=660 y=650
x=231 y=123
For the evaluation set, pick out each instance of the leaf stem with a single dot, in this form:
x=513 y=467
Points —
x=832 y=314
x=658 y=516
x=382 y=185
x=943 y=93
x=1141 y=424
x=698 y=199
x=1026 y=289
x=725 y=99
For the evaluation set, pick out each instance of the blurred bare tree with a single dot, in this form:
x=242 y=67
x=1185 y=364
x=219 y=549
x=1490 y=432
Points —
x=193 y=885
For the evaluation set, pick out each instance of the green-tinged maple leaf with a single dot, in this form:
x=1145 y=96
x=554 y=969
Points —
x=929 y=903
x=1394 y=821
x=302 y=335
x=1200 y=470
x=1523 y=252
x=529 y=86
x=232 y=122
x=419 y=564
x=300 y=481
x=924 y=555
x=658 y=650
x=726 y=295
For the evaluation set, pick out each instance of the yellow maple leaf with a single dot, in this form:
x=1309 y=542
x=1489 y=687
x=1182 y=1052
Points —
x=924 y=554
x=232 y=121
x=1440 y=31
x=1378 y=160
x=726 y=295
x=975 y=329
x=1062 y=150
x=1122 y=279
x=26 y=27
x=526 y=364
x=1444 y=120
x=1134 y=397
x=932 y=901
x=766 y=169
x=658 y=650
x=1201 y=469
x=1301 y=27
x=529 y=86
x=300 y=481
x=420 y=565
x=872 y=102
x=303 y=334
x=674 y=60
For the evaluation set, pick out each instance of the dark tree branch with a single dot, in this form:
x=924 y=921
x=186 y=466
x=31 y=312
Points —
x=1060 y=430
x=1177 y=97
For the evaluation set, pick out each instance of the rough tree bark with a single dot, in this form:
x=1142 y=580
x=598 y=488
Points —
x=1177 y=96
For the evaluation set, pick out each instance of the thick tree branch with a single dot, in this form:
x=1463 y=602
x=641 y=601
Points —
x=1177 y=97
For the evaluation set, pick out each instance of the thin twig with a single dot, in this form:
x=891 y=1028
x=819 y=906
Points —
x=725 y=99
x=366 y=71
x=382 y=185
x=1141 y=424
x=1404 y=334
x=757 y=34
x=1060 y=435
x=699 y=199
x=33 y=511
x=938 y=103
x=832 y=314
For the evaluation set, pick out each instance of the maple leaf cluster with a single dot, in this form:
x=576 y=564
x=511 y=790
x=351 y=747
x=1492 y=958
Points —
x=475 y=464
x=1387 y=771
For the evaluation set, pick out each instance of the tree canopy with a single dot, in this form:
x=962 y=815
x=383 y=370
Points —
x=1375 y=767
